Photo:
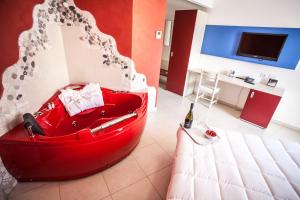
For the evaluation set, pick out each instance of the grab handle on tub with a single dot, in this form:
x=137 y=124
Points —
x=113 y=122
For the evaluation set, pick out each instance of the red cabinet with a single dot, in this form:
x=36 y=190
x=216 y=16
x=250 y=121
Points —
x=259 y=108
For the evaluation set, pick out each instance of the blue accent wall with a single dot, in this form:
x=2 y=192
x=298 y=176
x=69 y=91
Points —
x=223 y=41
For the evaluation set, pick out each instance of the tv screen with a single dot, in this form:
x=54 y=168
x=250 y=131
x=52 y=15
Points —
x=262 y=46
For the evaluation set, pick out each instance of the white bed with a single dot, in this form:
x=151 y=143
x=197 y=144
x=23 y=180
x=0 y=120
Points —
x=239 y=166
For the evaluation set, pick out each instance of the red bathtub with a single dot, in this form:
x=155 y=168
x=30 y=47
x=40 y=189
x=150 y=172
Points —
x=74 y=147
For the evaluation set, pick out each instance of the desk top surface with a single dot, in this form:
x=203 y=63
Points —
x=257 y=86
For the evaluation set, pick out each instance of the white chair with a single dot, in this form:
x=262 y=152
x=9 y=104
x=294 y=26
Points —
x=207 y=87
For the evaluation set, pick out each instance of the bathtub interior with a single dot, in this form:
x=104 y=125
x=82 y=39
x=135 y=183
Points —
x=57 y=122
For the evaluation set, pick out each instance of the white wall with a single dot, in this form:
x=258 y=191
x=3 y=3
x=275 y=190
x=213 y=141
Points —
x=165 y=57
x=266 y=13
x=50 y=73
x=198 y=35
x=170 y=14
x=85 y=62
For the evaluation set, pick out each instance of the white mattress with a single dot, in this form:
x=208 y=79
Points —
x=239 y=166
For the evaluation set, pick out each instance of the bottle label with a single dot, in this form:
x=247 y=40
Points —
x=187 y=124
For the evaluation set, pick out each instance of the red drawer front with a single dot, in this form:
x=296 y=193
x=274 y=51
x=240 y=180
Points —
x=260 y=107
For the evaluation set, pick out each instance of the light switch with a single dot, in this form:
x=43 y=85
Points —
x=158 y=35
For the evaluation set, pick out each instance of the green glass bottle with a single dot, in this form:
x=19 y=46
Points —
x=189 y=117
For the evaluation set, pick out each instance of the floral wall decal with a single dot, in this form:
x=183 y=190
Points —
x=35 y=40
x=15 y=101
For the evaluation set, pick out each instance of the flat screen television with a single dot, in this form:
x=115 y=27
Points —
x=260 y=45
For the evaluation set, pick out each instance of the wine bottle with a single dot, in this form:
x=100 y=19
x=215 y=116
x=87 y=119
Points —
x=189 y=118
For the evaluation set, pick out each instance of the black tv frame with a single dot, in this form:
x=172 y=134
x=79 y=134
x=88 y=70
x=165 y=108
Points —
x=239 y=53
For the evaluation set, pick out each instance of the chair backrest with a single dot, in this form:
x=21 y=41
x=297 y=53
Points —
x=209 y=78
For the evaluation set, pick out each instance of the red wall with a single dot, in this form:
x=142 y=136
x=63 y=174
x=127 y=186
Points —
x=112 y=17
x=148 y=17
x=15 y=17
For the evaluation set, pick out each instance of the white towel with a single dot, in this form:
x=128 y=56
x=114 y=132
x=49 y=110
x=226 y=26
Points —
x=76 y=101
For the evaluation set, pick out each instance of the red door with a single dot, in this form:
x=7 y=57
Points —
x=183 y=31
x=259 y=108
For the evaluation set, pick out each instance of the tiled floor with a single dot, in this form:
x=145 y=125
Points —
x=145 y=174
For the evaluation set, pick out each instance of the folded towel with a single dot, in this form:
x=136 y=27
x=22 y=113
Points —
x=76 y=101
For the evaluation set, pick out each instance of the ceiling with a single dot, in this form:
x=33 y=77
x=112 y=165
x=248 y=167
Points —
x=183 y=5
x=173 y=5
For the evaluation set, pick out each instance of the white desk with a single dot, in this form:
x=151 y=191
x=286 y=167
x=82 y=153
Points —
x=235 y=81
x=258 y=107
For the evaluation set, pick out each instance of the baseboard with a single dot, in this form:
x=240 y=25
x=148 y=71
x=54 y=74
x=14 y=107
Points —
x=230 y=105
x=252 y=123
x=273 y=120
x=286 y=125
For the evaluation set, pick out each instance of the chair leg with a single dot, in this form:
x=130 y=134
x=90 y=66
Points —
x=198 y=89
x=211 y=100
x=217 y=98
x=197 y=95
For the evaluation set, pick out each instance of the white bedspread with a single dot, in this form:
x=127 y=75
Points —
x=239 y=166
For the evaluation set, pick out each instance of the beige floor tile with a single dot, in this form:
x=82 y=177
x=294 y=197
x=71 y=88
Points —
x=49 y=191
x=146 y=140
x=161 y=180
x=142 y=190
x=22 y=187
x=88 y=188
x=107 y=198
x=168 y=143
x=123 y=174
x=152 y=158
x=159 y=129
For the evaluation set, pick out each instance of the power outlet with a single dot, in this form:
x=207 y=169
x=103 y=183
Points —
x=262 y=75
x=263 y=78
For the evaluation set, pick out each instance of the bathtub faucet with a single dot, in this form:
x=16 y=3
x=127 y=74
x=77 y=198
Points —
x=50 y=105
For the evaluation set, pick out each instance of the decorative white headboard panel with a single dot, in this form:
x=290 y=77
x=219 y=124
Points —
x=63 y=46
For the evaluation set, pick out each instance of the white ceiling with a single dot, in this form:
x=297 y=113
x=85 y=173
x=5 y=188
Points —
x=182 y=5
x=173 y=5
